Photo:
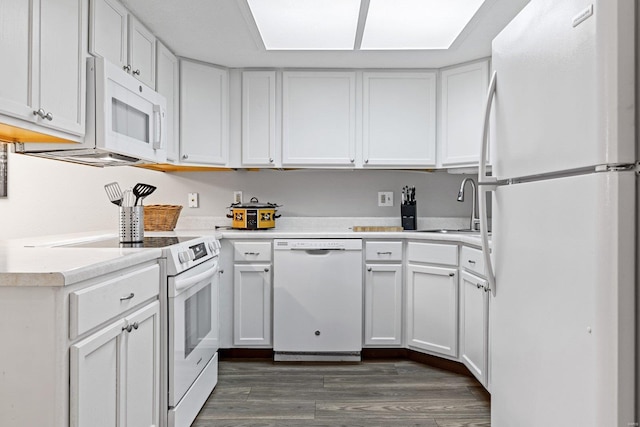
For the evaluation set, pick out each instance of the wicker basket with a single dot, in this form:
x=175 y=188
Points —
x=161 y=217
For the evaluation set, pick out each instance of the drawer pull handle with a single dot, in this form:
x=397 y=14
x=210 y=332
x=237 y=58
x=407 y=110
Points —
x=252 y=253
x=385 y=253
x=131 y=295
x=471 y=262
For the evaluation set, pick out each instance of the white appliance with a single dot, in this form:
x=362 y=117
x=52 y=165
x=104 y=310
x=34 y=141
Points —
x=317 y=300
x=126 y=122
x=564 y=187
x=194 y=336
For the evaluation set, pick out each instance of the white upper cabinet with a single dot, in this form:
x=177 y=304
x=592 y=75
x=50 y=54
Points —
x=318 y=118
x=204 y=112
x=259 y=118
x=464 y=89
x=168 y=85
x=108 y=31
x=120 y=38
x=399 y=119
x=43 y=84
x=142 y=52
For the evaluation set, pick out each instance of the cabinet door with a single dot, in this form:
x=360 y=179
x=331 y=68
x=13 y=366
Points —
x=383 y=305
x=16 y=50
x=252 y=304
x=141 y=368
x=474 y=325
x=108 y=31
x=168 y=85
x=95 y=377
x=318 y=118
x=142 y=52
x=432 y=309
x=258 y=118
x=399 y=119
x=62 y=65
x=464 y=90
x=204 y=109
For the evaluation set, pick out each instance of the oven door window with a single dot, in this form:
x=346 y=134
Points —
x=197 y=319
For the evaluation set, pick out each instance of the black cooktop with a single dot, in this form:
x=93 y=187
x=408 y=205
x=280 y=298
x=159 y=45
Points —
x=148 y=242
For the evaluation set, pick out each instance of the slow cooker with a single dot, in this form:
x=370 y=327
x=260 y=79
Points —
x=253 y=215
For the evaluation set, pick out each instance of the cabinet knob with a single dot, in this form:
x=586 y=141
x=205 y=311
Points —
x=40 y=112
x=270 y=160
x=49 y=116
x=221 y=271
x=127 y=68
x=366 y=161
x=369 y=269
x=136 y=73
x=452 y=274
x=185 y=156
x=352 y=160
x=317 y=333
x=266 y=270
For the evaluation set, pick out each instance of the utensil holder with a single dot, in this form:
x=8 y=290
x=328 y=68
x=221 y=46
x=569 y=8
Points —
x=408 y=213
x=131 y=224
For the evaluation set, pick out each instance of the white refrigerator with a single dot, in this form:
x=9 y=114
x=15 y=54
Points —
x=561 y=117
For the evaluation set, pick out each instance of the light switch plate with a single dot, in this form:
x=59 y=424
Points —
x=385 y=198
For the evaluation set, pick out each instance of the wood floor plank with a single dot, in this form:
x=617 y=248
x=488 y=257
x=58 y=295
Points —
x=223 y=410
x=397 y=381
x=477 y=422
x=427 y=409
x=355 y=393
x=222 y=392
x=245 y=368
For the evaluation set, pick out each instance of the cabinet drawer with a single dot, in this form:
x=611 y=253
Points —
x=472 y=260
x=432 y=253
x=383 y=251
x=91 y=306
x=252 y=251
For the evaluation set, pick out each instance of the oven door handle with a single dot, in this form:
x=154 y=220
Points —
x=181 y=284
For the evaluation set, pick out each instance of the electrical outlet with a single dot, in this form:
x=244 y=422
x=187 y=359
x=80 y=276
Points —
x=237 y=197
x=193 y=200
x=385 y=198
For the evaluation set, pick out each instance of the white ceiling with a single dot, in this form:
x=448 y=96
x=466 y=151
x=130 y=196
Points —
x=223 y=32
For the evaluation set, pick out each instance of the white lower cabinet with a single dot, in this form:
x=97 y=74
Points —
x=383 y=305
x=115 y=373
x=252 y=314
x=474 y=325
x=252 y=305
x=432 y=309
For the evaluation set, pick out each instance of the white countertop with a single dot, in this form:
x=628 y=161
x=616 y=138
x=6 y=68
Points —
x=46 y=266
x=36 y=262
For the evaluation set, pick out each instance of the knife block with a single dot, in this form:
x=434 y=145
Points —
x=409 y=217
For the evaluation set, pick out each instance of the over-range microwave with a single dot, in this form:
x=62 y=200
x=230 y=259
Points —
x=126 y=122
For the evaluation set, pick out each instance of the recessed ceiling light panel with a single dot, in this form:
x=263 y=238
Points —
x=416 y=24
x=306 y=24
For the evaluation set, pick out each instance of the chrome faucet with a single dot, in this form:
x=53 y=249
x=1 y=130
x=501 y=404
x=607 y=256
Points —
x=475 y=220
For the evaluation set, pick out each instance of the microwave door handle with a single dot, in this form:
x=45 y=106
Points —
x=157 y=121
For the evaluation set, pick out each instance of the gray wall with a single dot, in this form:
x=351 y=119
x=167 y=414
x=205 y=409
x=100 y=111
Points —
x=52 y=197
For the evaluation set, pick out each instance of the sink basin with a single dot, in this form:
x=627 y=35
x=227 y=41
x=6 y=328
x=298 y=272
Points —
x=452 y=231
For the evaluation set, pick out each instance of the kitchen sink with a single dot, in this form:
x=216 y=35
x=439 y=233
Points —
x=449 y=230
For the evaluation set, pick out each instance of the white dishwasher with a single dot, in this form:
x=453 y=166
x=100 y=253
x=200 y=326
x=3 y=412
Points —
x=317 y=300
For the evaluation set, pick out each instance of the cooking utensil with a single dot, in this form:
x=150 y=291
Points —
x=114 y=193
x=141 y=191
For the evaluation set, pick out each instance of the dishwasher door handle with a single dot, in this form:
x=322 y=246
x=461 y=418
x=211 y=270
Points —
x=319 y=251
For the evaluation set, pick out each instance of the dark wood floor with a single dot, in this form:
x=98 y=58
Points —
x=371 y=394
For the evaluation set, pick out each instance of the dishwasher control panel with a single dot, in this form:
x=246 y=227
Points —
x=318 y=244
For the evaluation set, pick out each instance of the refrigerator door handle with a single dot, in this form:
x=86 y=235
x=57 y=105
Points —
x=487 y=185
